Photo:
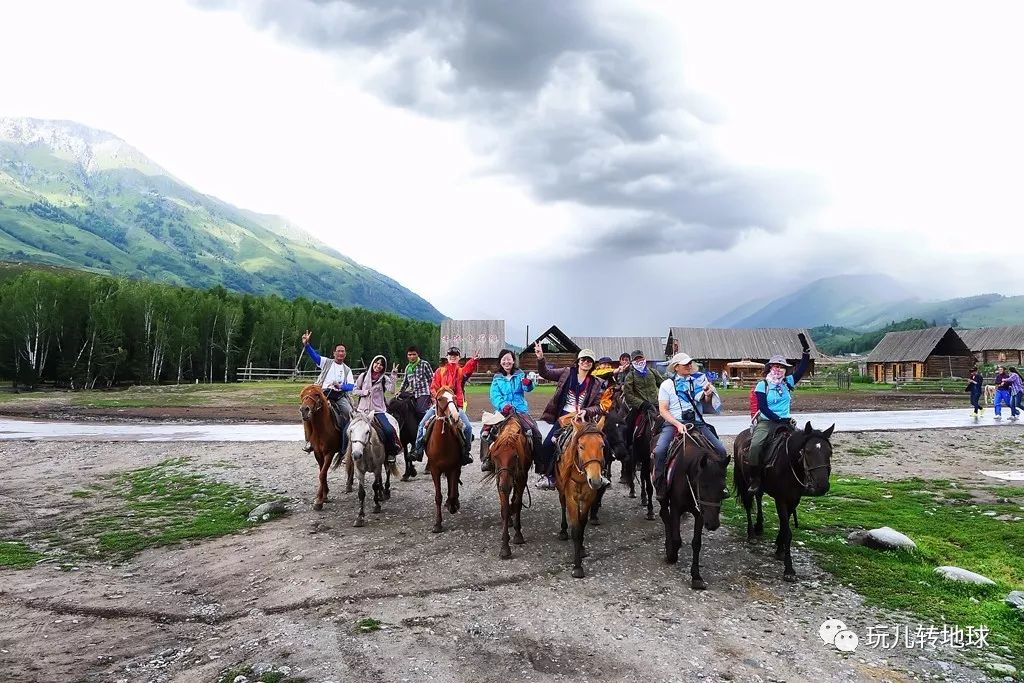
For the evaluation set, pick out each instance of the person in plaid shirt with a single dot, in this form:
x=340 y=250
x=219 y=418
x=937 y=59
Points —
x=418 y=375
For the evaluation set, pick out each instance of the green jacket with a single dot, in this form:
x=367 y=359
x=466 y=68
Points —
x=638 y=388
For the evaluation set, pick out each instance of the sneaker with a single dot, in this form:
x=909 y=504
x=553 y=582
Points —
x=308 y=447
x=997 y=417
x=546 y=482
x=486 y=465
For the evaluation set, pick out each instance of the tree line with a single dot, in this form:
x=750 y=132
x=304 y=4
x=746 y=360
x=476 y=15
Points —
x=82 y=330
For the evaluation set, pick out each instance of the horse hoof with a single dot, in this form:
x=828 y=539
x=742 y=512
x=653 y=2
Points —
x=789 y=578
x=519 y=540
x=406 y=477
x=671 y=558
x=348 y=489
x=359 y=522
x=632 y=494
x=650 y=516
x=318 y=506
x=437 y=529
x=698 y=584
x=563 y=536
x=751 y=539
x=506 y=553
x=758 y=530
x=376 y=510
x=387 y=495
x=595 y=521
x=780 y=555
x=577 y=572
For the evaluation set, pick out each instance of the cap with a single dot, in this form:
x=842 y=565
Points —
x=454 y=351
x=586 y=353
x=678 y=359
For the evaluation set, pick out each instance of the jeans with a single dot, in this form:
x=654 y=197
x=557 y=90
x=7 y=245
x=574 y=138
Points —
x=544 y=461
x=467 y=428
x=390 y=438
x=1003 y=397
x=976 y=401
x=665 y=438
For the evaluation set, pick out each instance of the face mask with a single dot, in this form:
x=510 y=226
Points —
x=640 y=365
x=777 y=374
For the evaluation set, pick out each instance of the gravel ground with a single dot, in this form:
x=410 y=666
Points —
x=291 y=591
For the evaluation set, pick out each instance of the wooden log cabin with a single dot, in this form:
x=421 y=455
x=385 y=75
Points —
x=997 y=345
x=916 y=354
x=716 y=348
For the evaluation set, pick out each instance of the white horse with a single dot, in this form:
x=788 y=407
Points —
x=365 y=452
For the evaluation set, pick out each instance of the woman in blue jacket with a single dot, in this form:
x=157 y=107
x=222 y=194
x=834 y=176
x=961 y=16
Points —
x=508 y=393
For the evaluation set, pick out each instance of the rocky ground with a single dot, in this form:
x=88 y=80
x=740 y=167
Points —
x=291 y=592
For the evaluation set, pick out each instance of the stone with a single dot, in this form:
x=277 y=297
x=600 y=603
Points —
x=958 y=574
x=266 y=509
x=883 y=538
x=1006 y=669
x=1015 y=599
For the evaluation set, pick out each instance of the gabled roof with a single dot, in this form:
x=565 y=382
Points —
x=486 y=337
x=613 y=347
x=556 y=340
x=917 y=345
x=704 y=343
x=994 y=338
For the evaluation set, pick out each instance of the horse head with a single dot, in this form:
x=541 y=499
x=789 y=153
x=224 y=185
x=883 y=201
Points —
x=360 y=433
x=708 y=473
x=588 y=459
x=507 y=451
x=444 y=404
x=813 y=452
x=312 y=400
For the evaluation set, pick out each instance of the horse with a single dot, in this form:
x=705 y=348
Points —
x=614 y=431
x=801 y=468
x=640 y=456
x=512 y=458
x=365 y=453
x=579 y=480
x=322 y=433
x=444 y=453
x=697 y=487
x=403 y=409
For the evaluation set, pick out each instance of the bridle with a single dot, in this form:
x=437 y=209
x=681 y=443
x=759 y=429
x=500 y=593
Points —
x=698 y=502
x=515 y=469
x=588 y=428
x=318 y=401
x=803 y=463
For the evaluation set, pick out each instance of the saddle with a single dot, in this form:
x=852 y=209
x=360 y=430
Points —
x=429 y=427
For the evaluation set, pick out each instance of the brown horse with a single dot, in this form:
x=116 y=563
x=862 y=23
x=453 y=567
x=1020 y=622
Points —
x=512 y=459
x=579 y=481
x=322 y=433
x=444 y=452
x=801 y=468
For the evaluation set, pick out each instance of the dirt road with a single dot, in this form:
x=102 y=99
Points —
x=291 y=591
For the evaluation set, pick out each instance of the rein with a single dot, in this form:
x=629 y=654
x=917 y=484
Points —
x=514 y=473
x=698 y=503
x=800 y=458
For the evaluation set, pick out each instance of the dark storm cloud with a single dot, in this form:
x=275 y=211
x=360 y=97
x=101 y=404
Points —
x=570 y=98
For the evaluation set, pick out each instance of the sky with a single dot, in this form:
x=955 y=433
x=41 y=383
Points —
x=613 y=167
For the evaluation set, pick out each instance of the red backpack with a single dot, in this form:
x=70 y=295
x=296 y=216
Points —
x=753 y=400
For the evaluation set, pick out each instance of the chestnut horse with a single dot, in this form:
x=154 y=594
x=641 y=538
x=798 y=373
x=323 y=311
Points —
x=579 y=480
x=801 y=468
x=510 y=454
x=322 y=433
x=444 y=452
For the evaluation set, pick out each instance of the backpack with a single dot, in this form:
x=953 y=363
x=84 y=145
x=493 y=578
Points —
x=753 y=396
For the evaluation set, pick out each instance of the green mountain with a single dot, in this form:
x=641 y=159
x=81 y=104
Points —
x=77 y=197
x=855 y=304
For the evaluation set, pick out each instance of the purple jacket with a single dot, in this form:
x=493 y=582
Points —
x=591 y=399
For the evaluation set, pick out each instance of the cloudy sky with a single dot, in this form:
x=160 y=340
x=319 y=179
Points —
x=610 y=166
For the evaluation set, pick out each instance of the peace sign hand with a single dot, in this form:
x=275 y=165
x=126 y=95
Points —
x=538 y=350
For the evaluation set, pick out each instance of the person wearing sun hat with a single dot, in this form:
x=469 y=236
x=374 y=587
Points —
x=773 y=404
x=683 y=398
x=576 y=391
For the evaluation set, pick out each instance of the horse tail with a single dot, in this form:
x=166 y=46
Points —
x=394 y=469
x=347 y=457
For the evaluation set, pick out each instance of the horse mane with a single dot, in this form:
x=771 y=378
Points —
x=311 y=389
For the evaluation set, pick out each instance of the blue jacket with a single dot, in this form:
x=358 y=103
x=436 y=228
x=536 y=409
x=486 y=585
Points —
x=506 y=390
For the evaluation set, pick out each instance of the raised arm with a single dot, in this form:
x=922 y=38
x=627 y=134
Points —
x=805 y=358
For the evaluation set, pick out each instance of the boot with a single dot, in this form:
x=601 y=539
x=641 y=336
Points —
x=755 y=480
x=308 y=447
x=467 y=459
x=417 y=452
x=660 y=487
x=485 y=463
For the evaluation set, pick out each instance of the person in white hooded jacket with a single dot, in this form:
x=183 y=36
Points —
x=370 y=388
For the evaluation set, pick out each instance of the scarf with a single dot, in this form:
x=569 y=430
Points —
x=410 y=368
x=641 y=367
x=775 y=376
x=577 y=387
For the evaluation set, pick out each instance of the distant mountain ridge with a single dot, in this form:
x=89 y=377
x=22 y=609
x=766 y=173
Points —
x=869 y=302
x=75 y=196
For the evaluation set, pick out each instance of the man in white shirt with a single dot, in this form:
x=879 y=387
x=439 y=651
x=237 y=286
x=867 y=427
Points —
x=336 y=380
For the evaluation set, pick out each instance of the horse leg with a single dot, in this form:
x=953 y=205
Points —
x=577 y=537
x=759 y=527
x=696 y=582
x=321 y=492
x=350 y=466
x=596 y=507
x=671 y=552
x=649 y=489
x=361 y=519
x=748 y=502
x=436 y=476
x=453 y=491
x=563 y=535
x=505 y=552
x=410 y=469
x=387 y=482
x=629 y=474
x=517 y=510
x=378 y=492
x=786 y=536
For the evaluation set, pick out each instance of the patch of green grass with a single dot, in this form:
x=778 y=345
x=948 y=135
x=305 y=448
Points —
x=266 y=677
x=945 y=534
x=1008 y=491
x=870 y=448
x=17 y=555
x=81 y=493
x=368 y=625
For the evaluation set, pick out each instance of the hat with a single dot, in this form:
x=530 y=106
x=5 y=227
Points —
x=586 y=353
x=605 y=359
x=454 y=351
x=637 y=354
x=779 y=359
x=678 y=359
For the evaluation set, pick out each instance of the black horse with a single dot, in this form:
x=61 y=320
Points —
x=801 y=468
x=645 y=430
x=403 y=408
x=697 y=487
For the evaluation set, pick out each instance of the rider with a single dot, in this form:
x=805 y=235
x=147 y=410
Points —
x=577 y=391
x=625 y=366
x=508 y=393
x=640 y=388
x=370 y=388
x=450 y=375
x=683 y=398
x=773 y=402
x=336 y=381
x=418 y=375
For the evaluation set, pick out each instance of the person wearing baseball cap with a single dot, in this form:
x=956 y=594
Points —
x=773 y=404
x=576 y=391
x=683 y=398
x=451 y=375
x=639 y=390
